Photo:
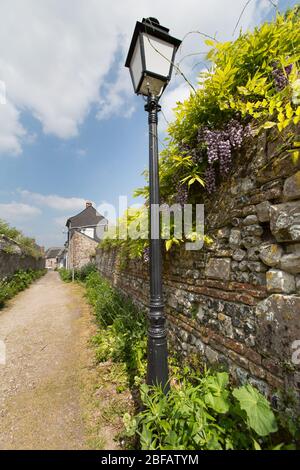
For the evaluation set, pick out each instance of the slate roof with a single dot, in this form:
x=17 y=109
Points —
x=88 y=217
x=52 y=252
x=61 y=253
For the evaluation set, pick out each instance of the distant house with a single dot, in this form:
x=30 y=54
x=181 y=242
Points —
x=51 y=257
x=85 y=230
x=61 y=258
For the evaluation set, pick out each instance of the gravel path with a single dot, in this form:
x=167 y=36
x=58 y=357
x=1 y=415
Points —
x=39 y=384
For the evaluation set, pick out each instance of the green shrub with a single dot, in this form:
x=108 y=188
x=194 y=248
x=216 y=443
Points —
x=9 y=287
x=82 y=274
x=79 y=274
x=65 y=274
x=205 y=413
x=122 y=336
x=28 y=245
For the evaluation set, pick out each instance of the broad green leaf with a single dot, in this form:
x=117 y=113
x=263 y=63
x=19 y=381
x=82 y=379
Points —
x=217 y=395
x=260 y=417
x=146 y=439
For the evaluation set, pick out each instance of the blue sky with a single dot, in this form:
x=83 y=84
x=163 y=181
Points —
x=72 y=129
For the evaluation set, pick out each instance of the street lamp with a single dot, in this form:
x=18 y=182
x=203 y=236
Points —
x=150 y=60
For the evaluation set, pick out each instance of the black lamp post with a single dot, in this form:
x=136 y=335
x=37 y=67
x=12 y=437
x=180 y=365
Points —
x=150 y=60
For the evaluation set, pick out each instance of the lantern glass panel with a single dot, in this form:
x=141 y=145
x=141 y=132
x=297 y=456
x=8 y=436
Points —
x=158 y=55
x=136 y=66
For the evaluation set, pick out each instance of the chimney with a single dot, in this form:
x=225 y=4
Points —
x=88 y=204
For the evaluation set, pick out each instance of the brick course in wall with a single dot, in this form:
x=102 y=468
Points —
x=237 y=301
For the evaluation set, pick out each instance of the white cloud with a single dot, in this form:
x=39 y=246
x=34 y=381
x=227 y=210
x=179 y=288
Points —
x=169 y=101
x=12 y=132
x=54 y=201
x=55 y=56
x=115 y=96
x=61 y=221
x=2 y=92
x=16 y=212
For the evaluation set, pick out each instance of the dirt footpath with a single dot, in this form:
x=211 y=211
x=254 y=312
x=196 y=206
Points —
x=45 y=330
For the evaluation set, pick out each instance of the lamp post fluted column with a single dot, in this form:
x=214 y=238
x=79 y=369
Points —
x=150 y=59
x=157 y=372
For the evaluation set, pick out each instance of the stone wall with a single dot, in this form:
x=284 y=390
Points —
x=81 y=248
x=12 y=259
x=237 y=302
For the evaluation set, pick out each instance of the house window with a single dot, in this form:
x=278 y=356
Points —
x=105 y=228
x=88 y=231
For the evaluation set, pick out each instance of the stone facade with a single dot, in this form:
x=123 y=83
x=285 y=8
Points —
x=12 y=259
x=81 y=249
x=236 y=302
x=51 y=263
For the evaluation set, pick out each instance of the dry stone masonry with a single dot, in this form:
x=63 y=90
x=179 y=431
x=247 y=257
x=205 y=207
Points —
x=236 y=302
x=13 y=259
x=81 y=249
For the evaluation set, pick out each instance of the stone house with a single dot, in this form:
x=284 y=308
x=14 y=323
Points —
x=51 y=257
x=62 y=257
x=85 y=230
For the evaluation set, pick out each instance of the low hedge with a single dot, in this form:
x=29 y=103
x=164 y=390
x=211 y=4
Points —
x=10 y=286
x=79 y=274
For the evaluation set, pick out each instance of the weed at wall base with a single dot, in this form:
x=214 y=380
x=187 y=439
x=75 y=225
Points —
x=202 y=411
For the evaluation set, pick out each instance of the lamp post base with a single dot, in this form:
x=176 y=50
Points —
x=157 y=371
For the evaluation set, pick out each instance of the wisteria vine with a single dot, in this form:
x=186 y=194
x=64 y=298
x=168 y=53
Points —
x=220 y=145
x=280 y=75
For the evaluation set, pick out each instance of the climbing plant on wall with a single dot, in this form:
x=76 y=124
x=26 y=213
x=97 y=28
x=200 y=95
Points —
x=253 y=84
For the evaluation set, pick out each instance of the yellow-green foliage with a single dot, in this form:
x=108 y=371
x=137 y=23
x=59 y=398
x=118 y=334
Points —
x=120 y=236
x=130 y=235
x=240 y=84
x=241 y=80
